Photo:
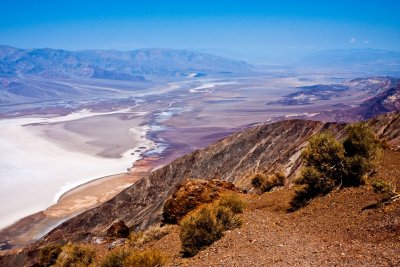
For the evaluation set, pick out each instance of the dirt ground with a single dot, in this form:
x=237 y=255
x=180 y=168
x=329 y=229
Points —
x=333 y=230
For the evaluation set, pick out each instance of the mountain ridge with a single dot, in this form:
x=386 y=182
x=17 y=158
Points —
x=146 y=61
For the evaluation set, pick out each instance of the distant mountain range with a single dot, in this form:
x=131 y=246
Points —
x=355 y=59
x=115 y=65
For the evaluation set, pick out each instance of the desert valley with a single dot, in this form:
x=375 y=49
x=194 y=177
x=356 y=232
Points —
x=198 y=157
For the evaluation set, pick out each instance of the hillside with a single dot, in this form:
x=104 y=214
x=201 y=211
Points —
x=384 y=99
x=268 y=148
x=331 y=230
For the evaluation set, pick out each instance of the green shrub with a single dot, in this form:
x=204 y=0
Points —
x=206 y=225
x=75 y=255
x=329 y=163
x=147 y=258
x=48 y=255
x=363 y=152
x=266 y=182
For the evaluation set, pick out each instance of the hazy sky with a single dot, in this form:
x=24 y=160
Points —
x=250 y=29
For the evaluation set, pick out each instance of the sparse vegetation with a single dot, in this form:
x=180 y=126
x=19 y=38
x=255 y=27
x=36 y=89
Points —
x=387 y=190
x=122 y=257
x=232 y=201
x=266 y=182
x=48 y=255
x=115 y=258
x=154 y=232
x=75 y=255
x=206 y=225
x=146 y=258
x=329 y=163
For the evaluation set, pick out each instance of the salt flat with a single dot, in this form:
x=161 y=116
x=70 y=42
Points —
x=35 y=171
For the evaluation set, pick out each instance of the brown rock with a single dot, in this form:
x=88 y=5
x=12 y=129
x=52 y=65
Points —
x=190 y=194
x=118 y=229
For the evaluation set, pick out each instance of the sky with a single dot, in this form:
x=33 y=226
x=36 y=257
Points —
x=252 y=30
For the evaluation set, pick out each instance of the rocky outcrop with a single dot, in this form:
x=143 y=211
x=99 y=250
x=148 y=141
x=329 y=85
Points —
x=190 y=194
x=118 y=229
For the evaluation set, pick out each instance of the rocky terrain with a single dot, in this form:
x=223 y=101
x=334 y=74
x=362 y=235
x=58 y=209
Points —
x=269 y=148
x=386 y=100
x=334 y=230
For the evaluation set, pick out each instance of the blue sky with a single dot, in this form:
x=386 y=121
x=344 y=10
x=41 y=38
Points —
x=248 y=29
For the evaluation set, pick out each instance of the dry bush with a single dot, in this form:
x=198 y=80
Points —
x=48 y=255
x=133 y=258
x=115 y=258
x=266 y=182
x=387 y=190
x=199 y=230
x=76 y=255
x=146 y=258
x=232 y=201
x=154 y=232
x=204 y=226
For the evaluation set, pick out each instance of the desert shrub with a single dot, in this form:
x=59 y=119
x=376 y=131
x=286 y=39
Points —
x=199 y=230
x=48 y=255
x=329 y=163
x=115 y=258
x=387 y=190
x=146 y=258
x=363 y=152
x=226 y=219
x=326 y=155
x=154 y=232
x=75 y=255
x=266 y=182
x=133 y=258
x=206 y=225
x=258 y=179
x=232 y=201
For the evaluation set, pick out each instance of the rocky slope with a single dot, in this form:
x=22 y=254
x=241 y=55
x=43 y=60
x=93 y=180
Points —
x=334 y=230
x=384 y=99
x=267 y=147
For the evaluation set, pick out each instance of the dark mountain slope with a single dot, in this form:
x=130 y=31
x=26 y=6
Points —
x=268 y=147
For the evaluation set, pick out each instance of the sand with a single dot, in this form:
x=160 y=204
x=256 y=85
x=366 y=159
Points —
x=35 y=171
